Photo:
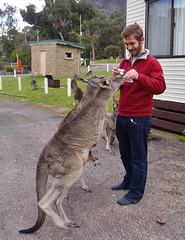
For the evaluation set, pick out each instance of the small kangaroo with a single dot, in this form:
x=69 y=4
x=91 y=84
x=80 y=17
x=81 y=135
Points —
x=78 y=93
x=65 y=154
x=110 y=128
x=33 y=84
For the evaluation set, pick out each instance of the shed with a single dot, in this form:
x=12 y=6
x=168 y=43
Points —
x=56 y=57
x=162 y=22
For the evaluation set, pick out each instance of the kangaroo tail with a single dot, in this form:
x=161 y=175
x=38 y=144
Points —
x=38 y=224
x=41 y=182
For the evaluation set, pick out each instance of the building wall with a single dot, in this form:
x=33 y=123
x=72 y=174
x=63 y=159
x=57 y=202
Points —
x=174 y=68
x=174 y=73
x=56 y=62
x=67 y=67
x=136 y=13
x=50 y=50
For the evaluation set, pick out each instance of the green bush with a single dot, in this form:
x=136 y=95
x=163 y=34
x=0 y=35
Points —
x=9 y=69
x=112 y=51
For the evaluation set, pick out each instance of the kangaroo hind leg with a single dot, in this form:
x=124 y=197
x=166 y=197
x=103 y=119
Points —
x=59 y=201
x=45 y=203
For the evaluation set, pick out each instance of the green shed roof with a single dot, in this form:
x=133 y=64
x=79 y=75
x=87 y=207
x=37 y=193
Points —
x=58 y=41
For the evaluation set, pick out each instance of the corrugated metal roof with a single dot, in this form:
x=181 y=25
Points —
x=58 y=41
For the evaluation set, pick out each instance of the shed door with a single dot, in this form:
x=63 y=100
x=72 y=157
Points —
x=43 y=63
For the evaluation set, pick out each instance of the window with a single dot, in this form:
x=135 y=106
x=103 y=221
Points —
x=165 y=31
x=68 y=55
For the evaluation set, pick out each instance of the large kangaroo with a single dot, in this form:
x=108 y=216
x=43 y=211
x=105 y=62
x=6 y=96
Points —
x=92 y=88
x=65 y=154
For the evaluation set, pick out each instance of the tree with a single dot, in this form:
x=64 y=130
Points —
x=65 y=16
x=7 y=19
x=111 y=33
x=94 y=26
x=14 y=54
x=39 y=21
x=60 y=14
x=112 y=51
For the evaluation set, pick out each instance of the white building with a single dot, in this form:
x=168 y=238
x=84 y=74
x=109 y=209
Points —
x=164 y=29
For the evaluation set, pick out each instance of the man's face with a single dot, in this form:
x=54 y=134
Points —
x=134 y=46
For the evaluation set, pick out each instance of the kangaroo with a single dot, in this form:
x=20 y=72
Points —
x=33 y=84
x=92 y=88
x=35 y=73
x=90 y=73
x=110 y=128
x=65 y=154
x=78 y=93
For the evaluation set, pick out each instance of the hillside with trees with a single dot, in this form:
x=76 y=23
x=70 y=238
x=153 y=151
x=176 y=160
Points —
x=109 y=6
x=65 y=20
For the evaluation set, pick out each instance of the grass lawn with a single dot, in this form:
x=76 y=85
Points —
x=108 y=61
x=56 y=96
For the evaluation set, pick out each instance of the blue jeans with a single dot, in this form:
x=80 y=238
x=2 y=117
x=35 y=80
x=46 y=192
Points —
x=132 y=134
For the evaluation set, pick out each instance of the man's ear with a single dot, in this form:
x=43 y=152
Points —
x=142 y=40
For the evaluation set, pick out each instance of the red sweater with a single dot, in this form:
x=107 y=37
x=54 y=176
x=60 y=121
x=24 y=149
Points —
x=136 y=99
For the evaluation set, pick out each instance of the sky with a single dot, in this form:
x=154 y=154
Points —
x=22 y=4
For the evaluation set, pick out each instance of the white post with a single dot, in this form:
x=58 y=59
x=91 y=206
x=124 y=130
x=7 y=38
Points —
x=116 y=59
x=69 y=87
x=88 y=68
x=19 y=83
x=46 y=85
x=0 y=82
x=107 y=67
x=14 y=73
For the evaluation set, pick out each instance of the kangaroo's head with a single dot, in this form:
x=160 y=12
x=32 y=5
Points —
x=112 y=83
x=115 y=104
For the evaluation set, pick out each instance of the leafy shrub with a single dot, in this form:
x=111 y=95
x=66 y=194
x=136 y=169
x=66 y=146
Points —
x=9 y=69
x=112 y=51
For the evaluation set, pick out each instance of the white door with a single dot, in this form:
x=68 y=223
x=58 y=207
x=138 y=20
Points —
x=42 y=70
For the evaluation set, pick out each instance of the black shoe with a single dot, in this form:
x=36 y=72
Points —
x=119 y=186
x=124 y=201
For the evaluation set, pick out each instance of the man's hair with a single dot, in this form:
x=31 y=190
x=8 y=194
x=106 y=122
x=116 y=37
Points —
x=133 y=29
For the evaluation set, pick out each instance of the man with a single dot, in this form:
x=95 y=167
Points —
x=144 y=77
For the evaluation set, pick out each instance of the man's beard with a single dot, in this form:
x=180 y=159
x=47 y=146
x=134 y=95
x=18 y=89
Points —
x=136 y=51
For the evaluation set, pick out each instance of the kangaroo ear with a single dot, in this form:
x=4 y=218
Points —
x=76 y=76
x=104 y=83
x=83 y=80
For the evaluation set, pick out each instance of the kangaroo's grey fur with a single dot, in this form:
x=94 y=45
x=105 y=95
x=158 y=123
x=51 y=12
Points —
x=78 y=93
x=110 y=129
x=92 y=88
x=33 y=84
x=65 y=154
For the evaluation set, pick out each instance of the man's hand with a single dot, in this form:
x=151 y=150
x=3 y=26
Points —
x=115 y=71
x=131 y=75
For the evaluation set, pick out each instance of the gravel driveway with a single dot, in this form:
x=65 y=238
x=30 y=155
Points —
x=25 y=128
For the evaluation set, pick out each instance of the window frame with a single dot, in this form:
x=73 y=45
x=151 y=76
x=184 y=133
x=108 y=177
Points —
x=171 y=32
x=66 y=55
